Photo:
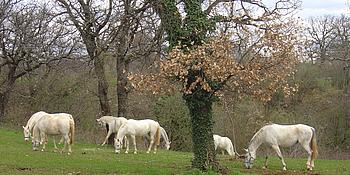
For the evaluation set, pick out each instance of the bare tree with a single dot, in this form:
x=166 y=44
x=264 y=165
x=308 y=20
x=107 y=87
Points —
x=91 y=19
x=29 y=38
x=321 y=32
x=139 y=37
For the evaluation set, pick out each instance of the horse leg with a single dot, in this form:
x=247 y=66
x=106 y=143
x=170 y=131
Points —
x=307 y=148
x=106 y=139
x=277 y=149
x=54 y=144
x=43 y=138
x=155 y=147
x=150 y=145
x=265 y=164
x=126 y=144
x=67 y=142
x=61 y=141
x=134 y=142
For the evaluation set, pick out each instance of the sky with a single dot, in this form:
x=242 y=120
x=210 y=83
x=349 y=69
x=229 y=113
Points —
x=312 y=8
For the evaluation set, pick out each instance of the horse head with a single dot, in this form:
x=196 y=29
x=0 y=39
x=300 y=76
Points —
x=117 y=145
x=249 y=159
x=26 y=133
x=100 y=122
x=167 y=145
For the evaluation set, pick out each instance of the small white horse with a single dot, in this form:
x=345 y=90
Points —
x=28 y=129
x=275 y=135
x=114 y=124
x=223 y=143
x=133 y=128
x=164 y=139
x=58 y=124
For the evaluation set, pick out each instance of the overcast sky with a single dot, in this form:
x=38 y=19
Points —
x=324 y=7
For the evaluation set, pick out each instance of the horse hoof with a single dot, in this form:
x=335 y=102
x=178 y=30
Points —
x=154 y=152
x=42 y=150
x=135 y=152
x=68 y=154
x=284 y=169
x=126 y=152
x=264 y=167
x=147 y=152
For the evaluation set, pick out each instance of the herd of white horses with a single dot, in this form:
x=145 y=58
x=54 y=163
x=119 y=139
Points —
x=42 y=124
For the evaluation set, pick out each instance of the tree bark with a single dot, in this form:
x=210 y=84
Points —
x=122 y=64
x=191 y=32
x=202 y=129
x=102 y=86
x=122 y=92
x=6 y=90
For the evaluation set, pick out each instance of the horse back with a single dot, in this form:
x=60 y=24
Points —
x=141 y=127
x=286 y=135
x=55 y=124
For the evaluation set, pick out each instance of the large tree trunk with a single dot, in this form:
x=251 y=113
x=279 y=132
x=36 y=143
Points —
x=200 y=106
x=122 y=63
x=3 y=104
x=122 y=80
x=102 y=86
x=6 y=89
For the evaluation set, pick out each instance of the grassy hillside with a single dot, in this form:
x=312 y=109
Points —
x=17 y=157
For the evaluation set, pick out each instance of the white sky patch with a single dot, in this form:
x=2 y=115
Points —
x=315 y=12
x=315 y=8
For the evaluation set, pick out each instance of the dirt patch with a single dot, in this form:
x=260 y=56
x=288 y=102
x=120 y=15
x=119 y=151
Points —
x=23 y=169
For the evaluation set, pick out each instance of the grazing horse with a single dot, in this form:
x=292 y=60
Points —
x=223 y=143
x=275 y=135
x=133 y=128
x=164 y=139
x=114 y=124
x=28 y=129
x=58 y=124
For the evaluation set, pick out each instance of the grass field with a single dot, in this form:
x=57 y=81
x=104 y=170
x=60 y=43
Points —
x=17 y=157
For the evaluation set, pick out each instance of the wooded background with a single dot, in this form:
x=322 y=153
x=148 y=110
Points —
x=46 y=64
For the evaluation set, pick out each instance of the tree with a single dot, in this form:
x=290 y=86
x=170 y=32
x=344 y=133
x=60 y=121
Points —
x=29 y=39
x=91 y=20
x=136 y=40
x=206 y=65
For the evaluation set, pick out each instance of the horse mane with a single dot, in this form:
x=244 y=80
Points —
x=256 y=135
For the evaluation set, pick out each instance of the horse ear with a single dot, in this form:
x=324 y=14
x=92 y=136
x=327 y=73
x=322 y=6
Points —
x=246 y=150
x=23 y=127
x=97 y=120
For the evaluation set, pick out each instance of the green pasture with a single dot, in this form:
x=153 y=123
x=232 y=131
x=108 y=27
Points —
x=17 y=157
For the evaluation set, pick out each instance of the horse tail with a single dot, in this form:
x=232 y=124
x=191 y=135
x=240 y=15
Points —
x=71 y=131
x=313 y=145
x=232 y=151
x=158 y=136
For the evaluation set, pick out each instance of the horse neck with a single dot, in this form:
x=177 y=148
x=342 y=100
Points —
x=121 y=133
x=255 y=142
x=164 y=134
x=36 y=133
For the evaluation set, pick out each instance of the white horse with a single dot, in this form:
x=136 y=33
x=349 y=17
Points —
x=58 y=124
x=223 y=143
x=275 y=135
x=28 y=129
x=114 y=124
x=164 y=139
x=133 y=128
